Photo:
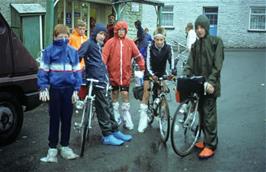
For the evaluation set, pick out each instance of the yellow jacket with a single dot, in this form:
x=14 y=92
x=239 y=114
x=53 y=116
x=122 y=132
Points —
x=75 y=40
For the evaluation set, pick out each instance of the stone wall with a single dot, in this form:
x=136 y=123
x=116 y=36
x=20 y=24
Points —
x=233 y=20
x=130 y=17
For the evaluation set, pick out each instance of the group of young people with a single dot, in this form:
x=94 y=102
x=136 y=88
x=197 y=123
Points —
x=109 y=61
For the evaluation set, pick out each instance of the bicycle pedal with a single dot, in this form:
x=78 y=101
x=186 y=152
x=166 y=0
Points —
x=77 y=125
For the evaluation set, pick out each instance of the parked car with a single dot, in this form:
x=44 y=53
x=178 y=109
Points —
x=18 y=83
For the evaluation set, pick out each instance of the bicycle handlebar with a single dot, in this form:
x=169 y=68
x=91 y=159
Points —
x=92 y=80
x=194 y=84
x=165 y=77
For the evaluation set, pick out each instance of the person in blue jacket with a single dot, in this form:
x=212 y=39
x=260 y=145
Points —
x=148 y=36
x=59 y=80
x=91 y=51
x=141 y=41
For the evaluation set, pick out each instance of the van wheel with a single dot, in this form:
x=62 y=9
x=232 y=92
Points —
x=11 y=118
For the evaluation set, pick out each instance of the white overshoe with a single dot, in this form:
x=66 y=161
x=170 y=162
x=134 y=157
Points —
x=126 y=116
x=51 y=155
x=116 y=113
x=143 y=120
x=67 y=153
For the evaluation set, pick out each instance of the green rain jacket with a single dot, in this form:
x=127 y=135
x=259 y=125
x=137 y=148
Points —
x=206 y=57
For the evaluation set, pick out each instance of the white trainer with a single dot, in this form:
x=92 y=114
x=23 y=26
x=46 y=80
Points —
x=116 y=113
x=67 y=153
x=143 y=120
x=51 y=155
x=126 y=116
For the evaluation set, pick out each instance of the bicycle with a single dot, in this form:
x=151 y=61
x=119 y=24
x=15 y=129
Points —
x=185 y=129
x=158 y=107
x=88 y=112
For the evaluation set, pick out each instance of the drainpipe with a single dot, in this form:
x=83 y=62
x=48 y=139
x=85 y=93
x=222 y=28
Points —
x=159 y=15
x=49 y=22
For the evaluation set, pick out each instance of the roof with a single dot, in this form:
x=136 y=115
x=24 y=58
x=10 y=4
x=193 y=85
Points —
x=149 y=2
x=28 y=8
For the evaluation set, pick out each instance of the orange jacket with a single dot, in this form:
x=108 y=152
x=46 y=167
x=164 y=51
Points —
x=75 y=40
x=118 y=54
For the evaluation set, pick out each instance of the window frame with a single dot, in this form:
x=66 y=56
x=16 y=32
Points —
x=168 y=12
x=214 y=12
x=249 y=21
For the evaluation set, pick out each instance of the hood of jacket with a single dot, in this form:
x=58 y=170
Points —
x=120 y=25
x=203 y=21
x=98 y=28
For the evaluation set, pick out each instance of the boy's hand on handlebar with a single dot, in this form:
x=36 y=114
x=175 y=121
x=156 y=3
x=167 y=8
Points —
x=174 y=72
x=171 y=77
x=208 y=88
x=154 y=77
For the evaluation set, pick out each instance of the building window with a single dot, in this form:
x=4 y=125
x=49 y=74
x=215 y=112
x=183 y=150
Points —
x=168 y=16
x=257 y=19
x=212 y=14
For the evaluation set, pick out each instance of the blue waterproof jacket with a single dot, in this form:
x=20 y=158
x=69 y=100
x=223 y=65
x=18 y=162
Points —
x=59 y=66
x=91 y=51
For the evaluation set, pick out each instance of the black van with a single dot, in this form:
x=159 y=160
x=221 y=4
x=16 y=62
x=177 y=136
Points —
x=18 y=83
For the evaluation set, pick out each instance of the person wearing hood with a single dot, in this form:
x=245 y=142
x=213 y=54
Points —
x=59 y=80
x=206 y=59
x=91 y=51
x=118 y=53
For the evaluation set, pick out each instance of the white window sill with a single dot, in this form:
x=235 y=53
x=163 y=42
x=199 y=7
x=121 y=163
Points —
x=169 y=27
x=256 y=30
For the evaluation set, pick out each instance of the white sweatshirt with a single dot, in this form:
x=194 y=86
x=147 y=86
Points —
x=191 y=38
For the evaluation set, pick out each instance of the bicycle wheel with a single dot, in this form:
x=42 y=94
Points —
x=164 y=119
x=185 y=128
x=150 y=113
x=85 y=128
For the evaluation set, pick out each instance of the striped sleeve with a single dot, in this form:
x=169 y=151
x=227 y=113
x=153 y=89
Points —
x=171 y=58
x=43 y=80
x=77 y=72
x=149 y=61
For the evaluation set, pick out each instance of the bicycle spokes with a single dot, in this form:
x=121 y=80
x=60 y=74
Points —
x=164 y=120
x=185 y=129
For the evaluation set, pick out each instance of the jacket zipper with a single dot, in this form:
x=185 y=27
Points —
x=121 y=62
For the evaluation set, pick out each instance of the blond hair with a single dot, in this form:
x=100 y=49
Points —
x=59 y=29
x=159 y=31
x=80 y=23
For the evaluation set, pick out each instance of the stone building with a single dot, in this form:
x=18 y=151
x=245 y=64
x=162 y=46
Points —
x=240 y=23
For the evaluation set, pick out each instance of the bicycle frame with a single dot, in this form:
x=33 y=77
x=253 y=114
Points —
x=157 y=93
x=88 y=101
x=191 y=117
